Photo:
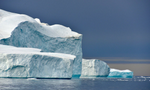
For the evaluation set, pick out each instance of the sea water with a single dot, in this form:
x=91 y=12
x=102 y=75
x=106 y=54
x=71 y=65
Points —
x=135 y=83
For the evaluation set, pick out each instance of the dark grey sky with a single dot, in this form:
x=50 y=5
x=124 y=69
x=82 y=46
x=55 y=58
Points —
x=110 y=28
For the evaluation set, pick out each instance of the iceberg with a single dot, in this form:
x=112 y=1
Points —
x=120 y=73
x=94 y=68
x=20 y=30
x=31 y=63
x=30 y=48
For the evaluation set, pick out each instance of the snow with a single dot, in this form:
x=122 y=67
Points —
x=18 y=50
x=112 y=70
x=94 y=68
x=59 y=31
x=120 y=73
x=9 y=21
x=31 y=63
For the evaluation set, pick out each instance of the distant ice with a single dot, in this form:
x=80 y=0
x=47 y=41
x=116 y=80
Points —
x=120 y=73
x=94 y=68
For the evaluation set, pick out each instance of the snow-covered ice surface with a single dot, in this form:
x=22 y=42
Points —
x=57 y=30
x=120 y=73
x=9 y=21
x=18 y=50
x=94 y=68
x=30 y=62
x=23 y=31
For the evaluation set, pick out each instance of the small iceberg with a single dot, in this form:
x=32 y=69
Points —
x=115 y=73
x=94 y=68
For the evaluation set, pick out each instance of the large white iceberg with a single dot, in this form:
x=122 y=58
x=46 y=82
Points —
x=23 y=31
x=94 y=68
x=30 y=62
x=120 y=73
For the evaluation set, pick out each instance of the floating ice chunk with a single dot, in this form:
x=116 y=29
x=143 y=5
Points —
x=94 y=68
x=23 y=31
x=29 y=62
x=32 y=79
x=120 y=73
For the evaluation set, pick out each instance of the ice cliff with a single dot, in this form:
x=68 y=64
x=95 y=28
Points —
x=20 y=30
x=94 y=68
x=120 y=73
x=30 y=62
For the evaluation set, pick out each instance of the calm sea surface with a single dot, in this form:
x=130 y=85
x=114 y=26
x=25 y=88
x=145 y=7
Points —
x=135 y=83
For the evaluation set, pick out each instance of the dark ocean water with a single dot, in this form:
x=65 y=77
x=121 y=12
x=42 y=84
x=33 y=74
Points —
x=135 y=83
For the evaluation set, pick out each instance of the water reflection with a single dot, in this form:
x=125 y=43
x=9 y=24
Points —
x=52 y=84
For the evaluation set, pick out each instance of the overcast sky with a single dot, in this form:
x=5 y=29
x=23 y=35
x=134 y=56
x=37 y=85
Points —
x=110 y=28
